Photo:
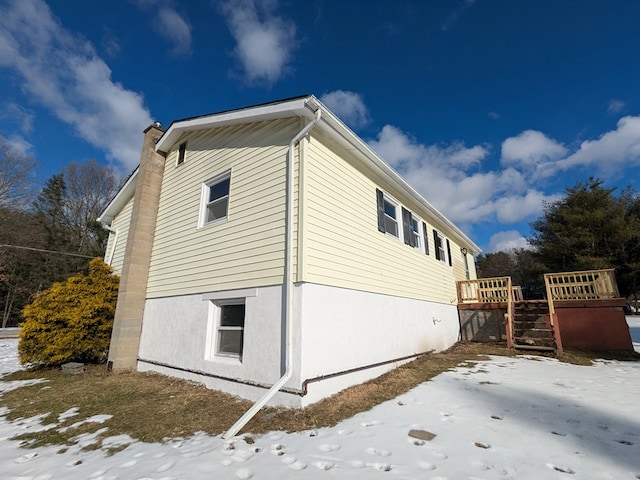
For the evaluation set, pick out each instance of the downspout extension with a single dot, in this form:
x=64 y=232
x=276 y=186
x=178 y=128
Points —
x=249 y=414
x=115 y=241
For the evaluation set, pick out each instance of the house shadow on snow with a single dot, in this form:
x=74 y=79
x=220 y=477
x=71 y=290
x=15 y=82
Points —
x=560 y=413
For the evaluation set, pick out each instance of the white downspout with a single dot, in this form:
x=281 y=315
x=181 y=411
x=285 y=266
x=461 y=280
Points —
x=288 y=283
x=115 y=242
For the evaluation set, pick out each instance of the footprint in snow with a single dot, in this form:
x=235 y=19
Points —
x=383 y=467
x=278 y=449
x=344 y=432
x=326 y=447
x=376 y=452
x=241 y=456
x=288 y=459
x=323 y=465
x=624 y=442
x=558 y=468
x=244 y=474
x=441 y=455
x=371 y=423
x=129 y=464
x=164 y=467
x=26 y=457
x=426 y=466
x=298 y=465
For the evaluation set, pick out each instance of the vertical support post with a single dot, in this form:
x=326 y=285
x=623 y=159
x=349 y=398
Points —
x=509 y=316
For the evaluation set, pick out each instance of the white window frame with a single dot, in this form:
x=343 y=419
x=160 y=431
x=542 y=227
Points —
x=417 y=223
x=204 y=203
x=216 y=300
x=398 y=218
x=214 y=335
x=181 y=153
x=444 y=257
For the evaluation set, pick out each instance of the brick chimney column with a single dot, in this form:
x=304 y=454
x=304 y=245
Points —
x=127 y=325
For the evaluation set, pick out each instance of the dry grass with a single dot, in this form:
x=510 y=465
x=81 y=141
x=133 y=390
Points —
x=151 y=407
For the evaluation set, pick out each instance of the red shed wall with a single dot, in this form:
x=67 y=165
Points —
x=593 y=325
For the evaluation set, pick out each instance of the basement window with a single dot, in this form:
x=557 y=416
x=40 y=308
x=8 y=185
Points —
x=230 y=329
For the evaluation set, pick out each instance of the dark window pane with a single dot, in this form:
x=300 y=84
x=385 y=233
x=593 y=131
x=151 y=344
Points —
x=232 y=316
x=217 y=209
x=230 y=342
x=391 y=226
x=219 y=190
x=389 y=209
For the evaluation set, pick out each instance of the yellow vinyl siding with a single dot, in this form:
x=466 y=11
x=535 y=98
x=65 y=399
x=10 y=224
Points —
x=121 y=224
x=343 y=246
x=247 y=248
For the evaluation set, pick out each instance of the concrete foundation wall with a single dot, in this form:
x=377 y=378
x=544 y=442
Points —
x=341 y=338
x=349 y=330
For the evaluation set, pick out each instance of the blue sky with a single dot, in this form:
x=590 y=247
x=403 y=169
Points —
x=487 y=107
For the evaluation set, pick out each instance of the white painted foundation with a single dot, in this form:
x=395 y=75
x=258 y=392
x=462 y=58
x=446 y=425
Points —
x=347 y=335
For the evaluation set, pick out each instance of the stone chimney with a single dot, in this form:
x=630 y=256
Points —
x=127 y=325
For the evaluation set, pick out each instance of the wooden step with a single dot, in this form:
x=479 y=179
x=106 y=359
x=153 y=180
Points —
x=535 y=347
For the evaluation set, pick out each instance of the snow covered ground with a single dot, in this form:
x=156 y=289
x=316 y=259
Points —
x=507 y=418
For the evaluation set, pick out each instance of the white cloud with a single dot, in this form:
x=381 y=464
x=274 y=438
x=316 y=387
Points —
x=453 y=17
x=615 y=106
x=531 y=150
x=612 y=152
x=64 y=74
x=507 y=241
x=18 y=115
x=447 y=176
x=264 y=42
x=18 y=145
x=174 y=28
x=169 y=24
x=349 y=106
x=493 y=115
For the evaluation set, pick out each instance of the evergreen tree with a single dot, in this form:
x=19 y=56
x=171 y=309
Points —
x=590 y=229
x=72 y=320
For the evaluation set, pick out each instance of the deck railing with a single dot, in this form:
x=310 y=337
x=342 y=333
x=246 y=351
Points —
x=589 y=285
x=486 y=290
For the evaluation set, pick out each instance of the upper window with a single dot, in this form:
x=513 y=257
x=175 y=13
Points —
x=412 y=232
x=215 y=195
x=442 y=247
x=415 y=233
x=387 y=214
x=182 y=150
x=467 y=272
x=230 y=332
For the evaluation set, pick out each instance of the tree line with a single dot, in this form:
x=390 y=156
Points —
x=590 y=228
x=47 y=235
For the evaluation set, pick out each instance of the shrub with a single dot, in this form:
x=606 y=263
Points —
x=72 y=320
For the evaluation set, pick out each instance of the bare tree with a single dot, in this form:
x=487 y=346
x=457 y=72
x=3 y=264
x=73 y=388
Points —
x=15 y=176
x=90 y=187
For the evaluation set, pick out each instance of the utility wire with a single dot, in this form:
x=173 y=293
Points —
x=47 y=251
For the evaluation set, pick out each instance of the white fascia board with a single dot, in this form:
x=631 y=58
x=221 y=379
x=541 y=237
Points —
x=274 y=111
x=120 y=200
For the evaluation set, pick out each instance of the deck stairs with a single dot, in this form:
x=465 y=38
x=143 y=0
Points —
x=531 y=327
